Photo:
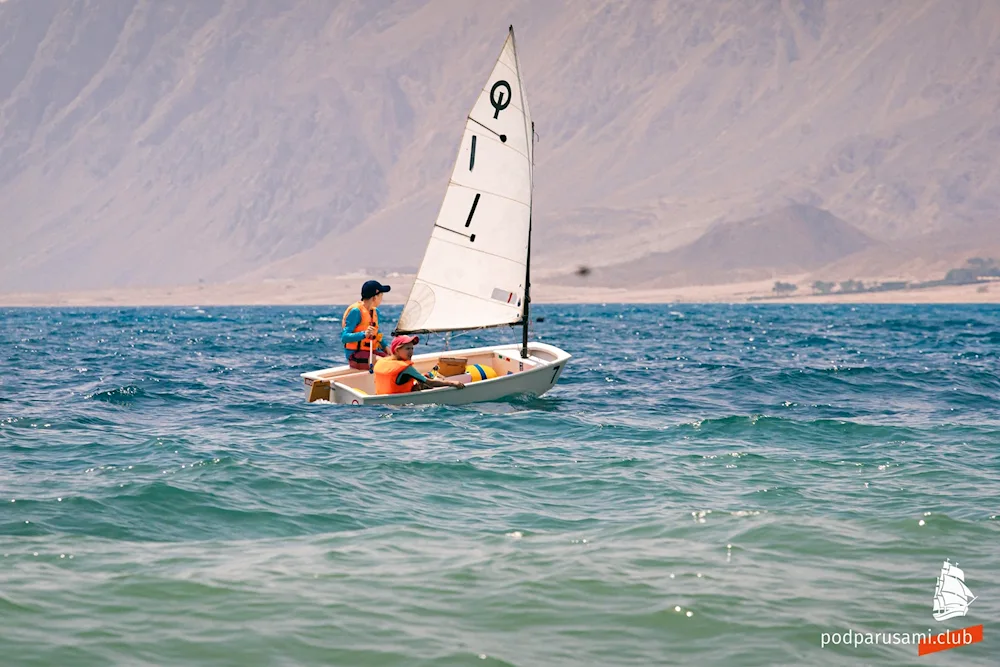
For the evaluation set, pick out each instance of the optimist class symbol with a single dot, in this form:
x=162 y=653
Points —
x=497 y=98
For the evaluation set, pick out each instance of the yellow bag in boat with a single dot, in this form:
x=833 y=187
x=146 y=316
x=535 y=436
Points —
x=479 y=372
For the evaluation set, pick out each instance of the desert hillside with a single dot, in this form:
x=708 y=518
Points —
x=792 y=240
x=150 y=143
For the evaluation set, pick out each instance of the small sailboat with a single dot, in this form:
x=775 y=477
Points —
x=475 y=273
x=951 y=596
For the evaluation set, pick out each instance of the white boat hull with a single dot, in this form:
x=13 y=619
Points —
x=515 y=376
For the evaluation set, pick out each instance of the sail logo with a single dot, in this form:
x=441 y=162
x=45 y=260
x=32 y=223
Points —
x=497 y=100
x=951 y=596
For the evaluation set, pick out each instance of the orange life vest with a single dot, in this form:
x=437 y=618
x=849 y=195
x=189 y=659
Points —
x=367 y=320
x=387 y=369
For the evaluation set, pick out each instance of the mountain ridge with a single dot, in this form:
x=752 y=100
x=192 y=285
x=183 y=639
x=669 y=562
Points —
x=796 y=239
x=156 y=143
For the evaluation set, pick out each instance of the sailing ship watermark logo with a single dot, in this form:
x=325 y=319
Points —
x=951 y=599
x=951 y=596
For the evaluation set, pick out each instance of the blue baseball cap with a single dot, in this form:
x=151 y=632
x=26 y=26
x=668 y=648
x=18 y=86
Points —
x=373 y=287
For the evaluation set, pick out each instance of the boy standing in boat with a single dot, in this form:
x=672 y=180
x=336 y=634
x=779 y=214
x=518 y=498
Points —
x=361 y=332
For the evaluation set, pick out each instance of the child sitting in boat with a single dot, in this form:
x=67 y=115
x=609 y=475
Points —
x=395 y=374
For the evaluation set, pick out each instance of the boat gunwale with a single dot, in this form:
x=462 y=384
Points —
x=336 y=371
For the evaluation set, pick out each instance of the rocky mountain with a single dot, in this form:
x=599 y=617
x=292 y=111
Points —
x=153 y=142
x=793 y=240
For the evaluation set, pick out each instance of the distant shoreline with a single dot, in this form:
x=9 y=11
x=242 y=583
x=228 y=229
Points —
x=342 y=290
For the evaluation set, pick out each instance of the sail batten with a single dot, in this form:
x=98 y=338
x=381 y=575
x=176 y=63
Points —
x=473 y=274
x=495 y=194
x=472 y=296
x=481 y=252
x=478 y=252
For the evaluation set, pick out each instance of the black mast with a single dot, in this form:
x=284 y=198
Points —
x=527 y=297
x=527 y=264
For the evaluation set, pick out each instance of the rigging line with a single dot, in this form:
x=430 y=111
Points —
x=471 y=237
x=503 y=142
x=467 y=332
x=488 y=129
x=498 y=135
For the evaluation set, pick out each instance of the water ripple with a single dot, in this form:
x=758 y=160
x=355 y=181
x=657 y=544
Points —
x=760 y=472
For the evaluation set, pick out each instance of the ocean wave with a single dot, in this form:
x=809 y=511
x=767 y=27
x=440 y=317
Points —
x=164 y=467
x=125 y=395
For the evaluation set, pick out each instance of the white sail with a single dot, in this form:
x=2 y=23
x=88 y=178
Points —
x=473 y=273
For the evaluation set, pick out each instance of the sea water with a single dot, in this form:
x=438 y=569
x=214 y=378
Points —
x=706 y=485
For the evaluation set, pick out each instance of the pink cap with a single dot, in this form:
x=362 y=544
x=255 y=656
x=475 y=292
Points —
x=402 y=340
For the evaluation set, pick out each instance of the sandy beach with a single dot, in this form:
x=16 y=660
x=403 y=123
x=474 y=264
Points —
x=343 y=289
